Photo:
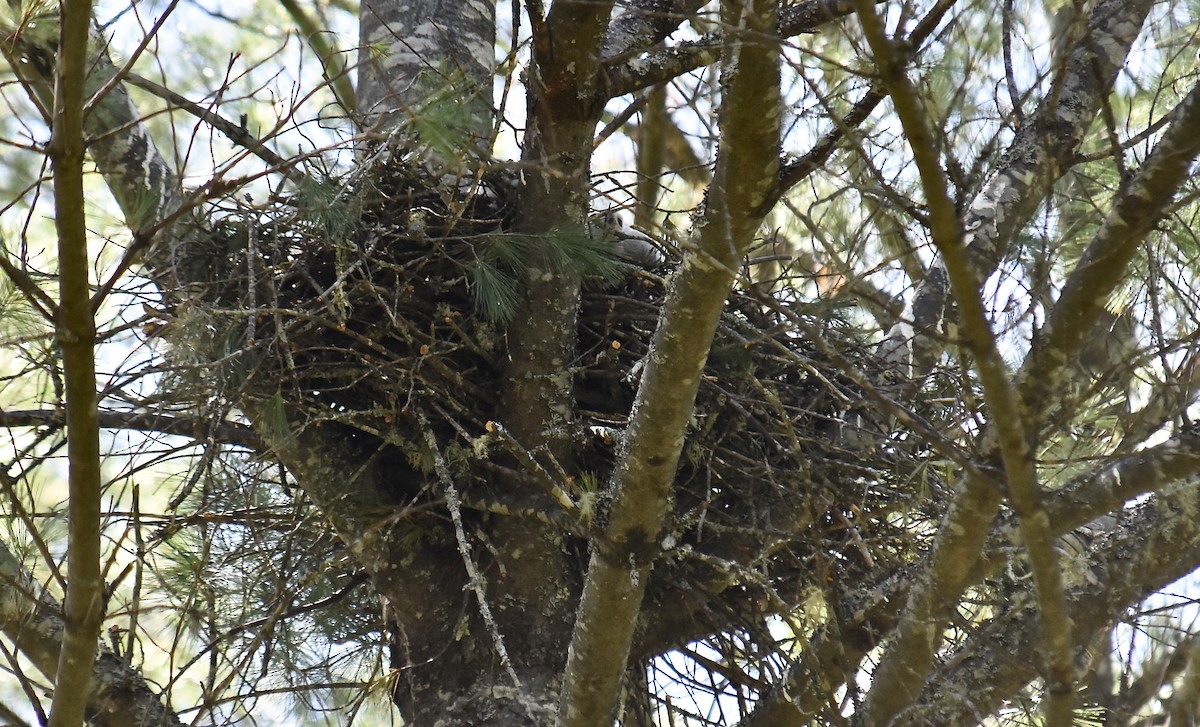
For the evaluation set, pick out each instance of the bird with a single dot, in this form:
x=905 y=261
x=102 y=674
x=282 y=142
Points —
x=629 y=244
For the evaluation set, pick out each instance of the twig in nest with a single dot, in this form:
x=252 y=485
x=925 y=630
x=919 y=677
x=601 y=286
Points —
x=476 y=582
x=543 y=477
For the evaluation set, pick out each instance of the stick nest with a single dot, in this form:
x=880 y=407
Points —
x=357 y=304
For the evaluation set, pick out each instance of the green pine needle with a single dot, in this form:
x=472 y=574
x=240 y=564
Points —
x=273 y=420
x=503 y=259
x=497 y=291
x=447 y=117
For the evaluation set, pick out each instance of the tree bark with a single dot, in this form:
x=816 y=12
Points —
x=33 y=620
x=1040 y=153
x=75 y=333
x=410 y=49
x=623 y=556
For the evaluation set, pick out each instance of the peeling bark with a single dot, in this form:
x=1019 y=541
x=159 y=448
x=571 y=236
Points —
x=140 y=179
x=410 y=48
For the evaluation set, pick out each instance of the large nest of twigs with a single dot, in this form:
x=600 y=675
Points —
x=359 y=303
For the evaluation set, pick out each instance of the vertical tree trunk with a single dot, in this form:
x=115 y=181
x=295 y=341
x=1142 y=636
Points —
x=408 y=48
x=473 y=679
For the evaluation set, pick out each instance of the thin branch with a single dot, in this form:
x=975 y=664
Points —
x=1106 y=489
x=797 y=170
x=197 y=428
x=1139 y=207
x=235 y=132
x=794 y=171
x=835 y=650
x=32 y=292
x=1185 y=697
x=1034 y=160
x=1006 y=37
x=97 y=96
x=475 y=580
x=546 y=480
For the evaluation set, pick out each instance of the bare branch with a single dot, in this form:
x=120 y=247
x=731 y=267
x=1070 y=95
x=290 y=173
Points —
x=194 y=427
x=794 y=171
x=236 y=133
x=660 y=66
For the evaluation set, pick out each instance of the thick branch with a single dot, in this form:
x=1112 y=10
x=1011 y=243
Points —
x=870 y=609
x=1151 y=549
x=1042 y=149
x=563 y=113
x=1135 y=213
x=75 y=332
x=661 y=65
x=897 y=678
x=332 y=61
x=644 y=23
x=747 y=165
x=1105 y=490
x=990 y=224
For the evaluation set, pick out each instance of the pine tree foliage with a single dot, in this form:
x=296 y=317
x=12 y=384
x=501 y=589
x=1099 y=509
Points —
x=579 y=363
